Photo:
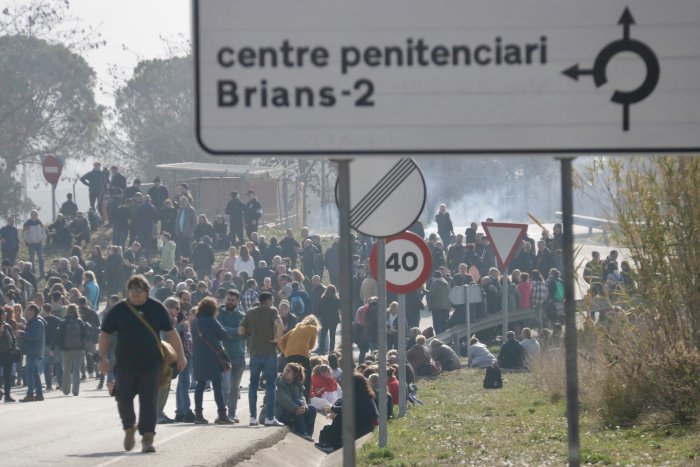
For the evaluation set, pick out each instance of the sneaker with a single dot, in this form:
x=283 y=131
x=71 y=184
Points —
x=189 y=418
x=223 y=421
x=273 y=422
x=165 y=420
x=100 y=386
x=39 y=398
x=48 y=389
x=179 y=418
x=27 y=399
x=253 y=421
x=234 y=419
x=306 y=437
x=8 y=399
x=130 y=438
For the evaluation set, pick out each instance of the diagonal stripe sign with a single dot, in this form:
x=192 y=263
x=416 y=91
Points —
x=505 y=240
x=387 y=195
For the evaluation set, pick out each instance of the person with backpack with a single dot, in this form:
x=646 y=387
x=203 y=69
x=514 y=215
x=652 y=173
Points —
x=299 y=301
x=555 y=294
x=70 y=339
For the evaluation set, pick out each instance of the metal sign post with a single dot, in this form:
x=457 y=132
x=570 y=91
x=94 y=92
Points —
x=402 y=355
x=346 y=312
x=381 y=342
x=504 y=303
x=572 y=411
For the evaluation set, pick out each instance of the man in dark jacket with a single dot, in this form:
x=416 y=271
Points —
x=33 y=341
x=185 y=223
x=203 y=258
x=96 y=181
x=79 y=230
x=235 y=209
x=511 y=354
x=253 y=213
x=308 y=258
x=52 y=361
x=9 y=239
x=69 y=209
x=158 y=193
x=145 y=220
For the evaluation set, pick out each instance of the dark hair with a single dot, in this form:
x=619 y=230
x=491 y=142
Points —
x=206 y=308
x=233 y=292
x=333 y=360
x=265 y=297
x=330 y=291
x=362 y=386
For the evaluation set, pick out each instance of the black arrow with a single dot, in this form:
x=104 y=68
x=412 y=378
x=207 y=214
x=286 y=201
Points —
x=626 y=20
x=574 y=72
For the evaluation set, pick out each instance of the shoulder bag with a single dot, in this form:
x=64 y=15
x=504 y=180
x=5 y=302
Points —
x=222 y=357
x=167 y=352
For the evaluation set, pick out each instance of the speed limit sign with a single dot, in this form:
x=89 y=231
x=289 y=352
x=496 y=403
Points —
x=408 y=262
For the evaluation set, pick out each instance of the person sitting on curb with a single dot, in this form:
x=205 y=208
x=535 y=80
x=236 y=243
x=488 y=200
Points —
x=290 y=405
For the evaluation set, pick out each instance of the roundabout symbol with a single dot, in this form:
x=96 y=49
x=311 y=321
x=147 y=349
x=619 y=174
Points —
x=626 y=44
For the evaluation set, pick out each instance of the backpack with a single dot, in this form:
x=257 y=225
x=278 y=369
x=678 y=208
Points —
x=73 y=336
x=559 y=291
x=493 y=378
x=297 y=305
x=6 y=343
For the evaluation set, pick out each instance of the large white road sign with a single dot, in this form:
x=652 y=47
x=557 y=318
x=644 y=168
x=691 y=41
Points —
x=447 y=76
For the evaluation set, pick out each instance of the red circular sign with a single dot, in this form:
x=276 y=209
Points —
x=408 y=262
x=51 y=167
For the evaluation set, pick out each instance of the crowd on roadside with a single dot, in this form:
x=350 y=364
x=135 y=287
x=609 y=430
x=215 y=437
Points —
x=267 y=301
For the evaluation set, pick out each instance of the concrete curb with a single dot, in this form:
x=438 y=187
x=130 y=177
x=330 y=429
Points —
x=253 y=449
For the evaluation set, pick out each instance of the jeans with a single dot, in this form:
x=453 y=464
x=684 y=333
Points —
x=268 y=365
x=231 y=384
x=119 y=235
x=38 y=249
x=326 y=339
x=304 y=423
x=182 y=392
x=440 y=318
x=51 y=364
x=218 y=396
x=71 y=371
x=144 y=383
x=34 y=367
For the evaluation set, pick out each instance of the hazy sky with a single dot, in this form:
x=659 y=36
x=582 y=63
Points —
x=133 y=29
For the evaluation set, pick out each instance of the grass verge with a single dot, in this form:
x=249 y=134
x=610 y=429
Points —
x=463 y=424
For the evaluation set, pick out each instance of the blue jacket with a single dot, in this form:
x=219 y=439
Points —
x=206 y=366
x=92 y=293
x=34 y=336
x=230 y=320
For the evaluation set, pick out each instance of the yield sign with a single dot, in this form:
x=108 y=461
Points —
x=505 y=240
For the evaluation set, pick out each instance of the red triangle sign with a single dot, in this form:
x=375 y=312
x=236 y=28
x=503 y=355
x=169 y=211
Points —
x=505 y=240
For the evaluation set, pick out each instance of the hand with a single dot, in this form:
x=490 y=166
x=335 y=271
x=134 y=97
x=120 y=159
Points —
x=104 y=366
x=300 y=410
x=181 y=363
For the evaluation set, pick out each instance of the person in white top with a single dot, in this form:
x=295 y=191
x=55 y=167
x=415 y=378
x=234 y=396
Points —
x=244 y=262
x=531 y=347
x=479 y=355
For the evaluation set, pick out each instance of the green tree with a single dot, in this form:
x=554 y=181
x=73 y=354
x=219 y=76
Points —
x=156 y=112
x=47 y=103
x=656 y=203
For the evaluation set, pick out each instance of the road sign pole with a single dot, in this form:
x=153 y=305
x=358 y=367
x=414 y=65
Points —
x=346 y=312
x=505 y=304
x=53 y=202
x=467 y=318
x=402 y=355
x=572 y=412
x=381 y=341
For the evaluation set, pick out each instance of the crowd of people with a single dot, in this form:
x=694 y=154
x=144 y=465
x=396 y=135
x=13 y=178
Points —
x=267 y=301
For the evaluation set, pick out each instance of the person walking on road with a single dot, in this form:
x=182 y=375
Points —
x=33 y=341
x=207 y=334
x=263 y=325
x=70 y=339
x=138 y=319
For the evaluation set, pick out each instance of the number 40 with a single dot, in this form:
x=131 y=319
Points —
x=409 y=261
